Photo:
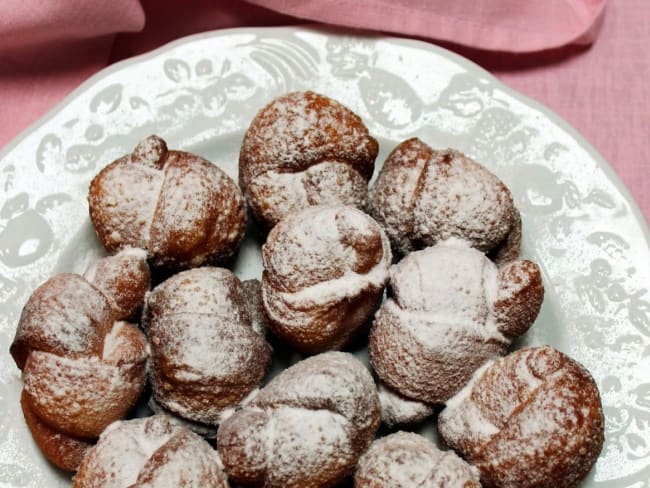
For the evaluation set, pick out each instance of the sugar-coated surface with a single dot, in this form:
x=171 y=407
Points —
x=150 y=452
x=449 y=310
x=399 y=410
x=206 y=356
x=324 y=272
x=305 y=149
x=123 y=278
x=407 y=460
x=438 y=326
x=423 y=196
x=65 y=315
x=306 y=428
x=182 y=209
x=545 y=417
x=83 y=368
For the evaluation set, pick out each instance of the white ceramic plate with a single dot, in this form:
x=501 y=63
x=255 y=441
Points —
x=200 y=93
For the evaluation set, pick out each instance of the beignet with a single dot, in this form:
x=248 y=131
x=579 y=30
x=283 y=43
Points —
x=450 y=309
x=531 y=419
x=423 y=196
x=83 y=367
x=325 y=268
x=305 y=149
x=150 y=452
x=407 y=460
x=306 y=428
x=205 y=355
x=182 y=209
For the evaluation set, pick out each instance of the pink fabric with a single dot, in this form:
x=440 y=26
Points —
x=506 y=25
x=539 y=48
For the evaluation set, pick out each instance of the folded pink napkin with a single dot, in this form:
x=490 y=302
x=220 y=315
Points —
x=48 y=48
x=500 y=25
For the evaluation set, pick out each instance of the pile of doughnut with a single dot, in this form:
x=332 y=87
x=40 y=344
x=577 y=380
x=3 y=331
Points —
x=422 y=269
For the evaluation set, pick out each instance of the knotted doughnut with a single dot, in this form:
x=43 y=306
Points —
x=306 y=428
x=531 y=419
x=182 y=209
x=83 y=367
x=205 y=355
x=423 y=196
x=449 y=310
x=325 y=268
x=305 y=149
x=404 y=460
x=150 y=452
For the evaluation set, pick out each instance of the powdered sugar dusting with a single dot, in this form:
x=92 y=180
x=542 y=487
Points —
x=277 y=194
x=206 y=290
x=317 y=260
x=66 y=314
x=399 y=410
x=302 y=442
x=81 y=395
x=179 y=207
x=206 y=357
x=122 y=199
x=310 y=422
x=299 y=129
x=150 y=452
x=470 y=418
x=151 y=151
x=320 y=140
x=542 y=425
x=405 y=459
x=203 y=348
x=448 y=196
x=439 y=324
x=123 y=278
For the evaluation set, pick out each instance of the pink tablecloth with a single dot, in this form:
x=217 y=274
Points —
x=541 y=49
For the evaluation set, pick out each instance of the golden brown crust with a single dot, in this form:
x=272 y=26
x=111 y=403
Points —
x=531 y=419
x=520 y=297
x=82 y=367
x=305 y=149
x=147 y=453
x=81 y=396
x=205 y=355
x=450 y=311
x=66 y=316
x=508 y=249
x=423 y=196
x=182 y=209
x=62 y=450
x=324 y=273
x=306 y=428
